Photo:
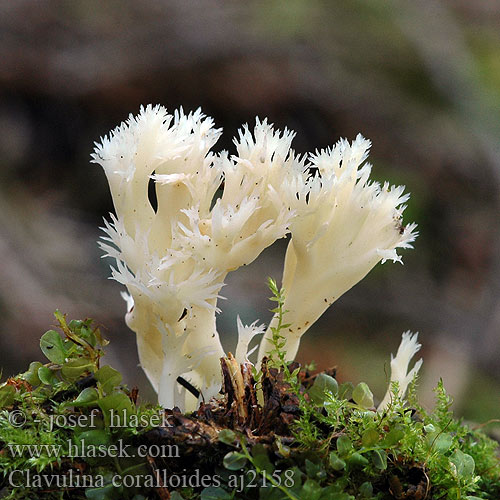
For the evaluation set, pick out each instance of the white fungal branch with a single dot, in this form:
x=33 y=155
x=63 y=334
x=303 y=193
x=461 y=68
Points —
x=408 y=347
x=344 y=225
x=252 y=212
x=171 y=287
x=217 y=212
x=245 y=335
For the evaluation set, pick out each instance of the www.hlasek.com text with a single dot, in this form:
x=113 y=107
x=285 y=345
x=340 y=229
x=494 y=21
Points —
x=81 y=449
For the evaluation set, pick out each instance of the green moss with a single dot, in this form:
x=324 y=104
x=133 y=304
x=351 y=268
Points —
x=55 y=421
x=338 y=447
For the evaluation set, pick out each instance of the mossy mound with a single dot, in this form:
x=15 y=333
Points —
x=69 y=429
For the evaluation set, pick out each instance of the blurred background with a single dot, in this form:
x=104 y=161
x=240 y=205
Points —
x=421 y=79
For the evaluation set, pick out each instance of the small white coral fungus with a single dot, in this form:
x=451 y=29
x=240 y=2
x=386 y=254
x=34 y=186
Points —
x=399 y=367
x=217 y=212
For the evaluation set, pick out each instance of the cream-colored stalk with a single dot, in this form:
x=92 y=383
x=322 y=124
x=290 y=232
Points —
x=344 y=225
x=399 y=367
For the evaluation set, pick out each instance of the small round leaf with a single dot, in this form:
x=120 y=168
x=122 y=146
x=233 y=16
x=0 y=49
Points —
x=234 y=460
x=52 y=346
x=362 y=395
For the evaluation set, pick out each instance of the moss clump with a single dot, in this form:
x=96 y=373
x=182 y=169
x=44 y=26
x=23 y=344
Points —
x=72 y=422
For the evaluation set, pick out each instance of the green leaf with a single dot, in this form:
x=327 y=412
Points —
x=330 y=494
x=323 y=386
x=105 y=493
x=336 y=462
x=311 y=490
x=213 y=493
x=379 y=459
x=341 y=483
x=442 y=442
x=268 y=492
x=116 y=408
x=76 y=324
x=100 y=339
x=52 y=346
x=366 y=490
x=31 y=375
x=345 y=390
x=75 y=368
x=464 y=464
x=260 y=459
x=234 y=460
x=83 y=330
x=370 y=438
x=227 y=436
x=95 y=437
x=7 y=395
x=87 y=397
x=108 y=377
x=362 y=395
x=393 y=437
x=313 y=470
x=47 y=376
x=175 y=495
x=344 y=445
x=437 y=440
x=357 y=459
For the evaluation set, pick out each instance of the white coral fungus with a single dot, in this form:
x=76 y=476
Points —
x=215 y=213
x=399 y=367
